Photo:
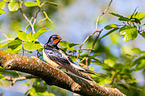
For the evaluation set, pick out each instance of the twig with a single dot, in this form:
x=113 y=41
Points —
x=30 y=21
x=103 y=13
x=86 y=41
x=14 y=80
x=4 y=34
x=6 y=40
x=47 y=17
x=94 y=32
x=97 y=22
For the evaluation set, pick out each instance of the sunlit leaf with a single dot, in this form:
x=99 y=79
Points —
x=115 y=37
x=143 y=34
x=33 y=92
x=46 y=93
x=51 y=3
x=2 y=5
x=96 y=61
x=13 y=6
x=3 y=45
x=139 y=16
x=25 y=36
x=108 y=27
x=2 y=11
x=65 y=44
x=2 y=77
x=129 y=33
x=74 y=44
x=111 y=31
x=103 y=81
x=31 y=4
x=39 y=32
x=136 y=50
x=121 y=18
x=141 y=65
x=31 y=46
x=109 y=62
x=26 y=83
x=15 y=43
x=138 y=60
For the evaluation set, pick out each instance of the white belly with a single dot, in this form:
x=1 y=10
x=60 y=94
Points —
x=49 y=61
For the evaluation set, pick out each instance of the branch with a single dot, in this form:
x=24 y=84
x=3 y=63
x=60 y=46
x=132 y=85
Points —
x=54 y=76
x=14 y=80
x=30 y=21
x=97 y=22
x=5 y=37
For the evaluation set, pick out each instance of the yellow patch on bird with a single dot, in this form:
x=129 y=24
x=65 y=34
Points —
x=49 y=61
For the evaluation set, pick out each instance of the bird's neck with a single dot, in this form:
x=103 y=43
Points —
x=50 y=46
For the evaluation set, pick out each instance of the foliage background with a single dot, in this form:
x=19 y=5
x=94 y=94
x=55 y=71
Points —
x=73 y=20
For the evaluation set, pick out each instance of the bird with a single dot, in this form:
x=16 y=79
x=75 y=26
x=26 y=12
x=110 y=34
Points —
x=57 y=58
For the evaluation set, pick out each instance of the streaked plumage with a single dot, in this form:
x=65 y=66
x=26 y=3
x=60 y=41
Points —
x=58 y=58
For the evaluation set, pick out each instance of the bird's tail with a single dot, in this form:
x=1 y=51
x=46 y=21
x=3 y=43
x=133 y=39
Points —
x=76 y=72
x=82 y=69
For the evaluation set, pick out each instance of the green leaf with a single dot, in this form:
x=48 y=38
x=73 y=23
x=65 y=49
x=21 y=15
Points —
x=25 y=36
x=129 y=33
x=111 y=31
x=138 y=60
x=46 y=93
x=1 y=84
x=26 y=83
x=51 y=3
x=2 y=11
x=143 y=34
x=2 y=5
x=3 y=45
x=139 y=16
x=121 y=18
x=109 y=62
x=108 y=27
x=39 y=32
x=31 y=4
x=136 y=50
x=66 y=45
x=141 y=65
x=2 y=77
x=15 y=43
x=74 y=44
x=31 y=46
x=13 y=6
x=33 y=92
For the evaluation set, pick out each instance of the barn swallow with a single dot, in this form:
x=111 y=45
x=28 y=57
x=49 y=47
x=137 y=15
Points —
x=59 y=59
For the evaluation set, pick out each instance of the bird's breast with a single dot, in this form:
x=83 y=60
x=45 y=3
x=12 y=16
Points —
x=49 y=61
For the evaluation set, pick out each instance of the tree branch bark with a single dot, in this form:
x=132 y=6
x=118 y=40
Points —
x=54 y=76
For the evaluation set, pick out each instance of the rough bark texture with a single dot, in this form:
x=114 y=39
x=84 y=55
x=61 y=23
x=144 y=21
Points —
x=54 y=76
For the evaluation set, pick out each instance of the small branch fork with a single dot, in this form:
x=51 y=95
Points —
x=94 y=33
x=31 y=21
x=14 y=80
x=5 y=37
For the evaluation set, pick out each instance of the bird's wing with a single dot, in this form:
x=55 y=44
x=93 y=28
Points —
x=76 y=66
x=60 y=58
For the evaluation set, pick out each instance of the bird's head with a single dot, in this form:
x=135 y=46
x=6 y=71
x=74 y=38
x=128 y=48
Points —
x=53 y=40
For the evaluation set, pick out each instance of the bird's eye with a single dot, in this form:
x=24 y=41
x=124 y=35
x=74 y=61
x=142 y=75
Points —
x=54 y=38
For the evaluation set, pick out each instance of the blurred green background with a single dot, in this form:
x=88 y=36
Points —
x=74 y=20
